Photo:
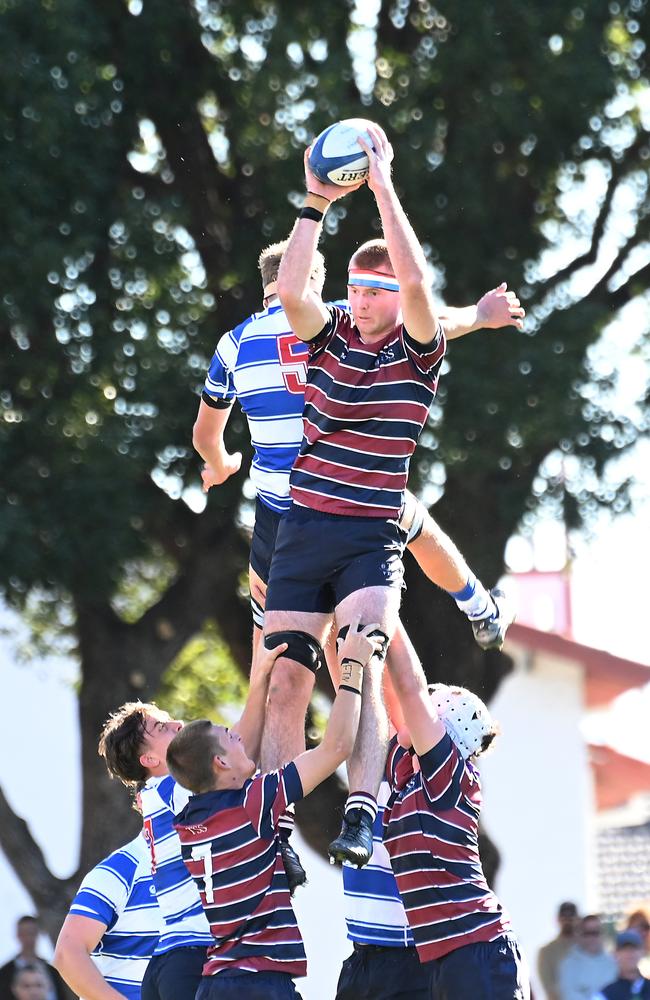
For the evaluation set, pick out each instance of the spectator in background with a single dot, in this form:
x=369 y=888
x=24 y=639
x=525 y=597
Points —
x=587 y=967
x=630 y=982
x=639 y=920
x=29 y=983
x=27 y=934
x=550 y=956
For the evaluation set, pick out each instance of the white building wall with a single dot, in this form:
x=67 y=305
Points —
x=539 y=797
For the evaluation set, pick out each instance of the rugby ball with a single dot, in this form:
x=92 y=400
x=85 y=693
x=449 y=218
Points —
x=336 y=157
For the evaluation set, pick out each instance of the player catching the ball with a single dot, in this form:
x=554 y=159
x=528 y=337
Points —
x=372 y=377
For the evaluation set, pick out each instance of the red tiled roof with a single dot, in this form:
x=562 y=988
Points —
x=617 y=778
x=606 y=675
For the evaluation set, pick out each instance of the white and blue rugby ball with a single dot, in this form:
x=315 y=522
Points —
x=336 y=157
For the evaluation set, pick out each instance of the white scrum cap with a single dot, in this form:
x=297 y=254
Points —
x=466 y=718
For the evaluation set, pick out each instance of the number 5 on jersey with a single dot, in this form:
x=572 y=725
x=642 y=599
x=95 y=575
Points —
x=293 y=359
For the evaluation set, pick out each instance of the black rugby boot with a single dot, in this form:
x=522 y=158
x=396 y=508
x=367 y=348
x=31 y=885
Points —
x=354 y=842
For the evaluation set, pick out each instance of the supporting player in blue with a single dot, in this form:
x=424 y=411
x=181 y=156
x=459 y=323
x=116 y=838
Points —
x=134 y=744
x=112 y=928
x=384 y=963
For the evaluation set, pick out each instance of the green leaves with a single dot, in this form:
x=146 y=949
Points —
x=150 y=151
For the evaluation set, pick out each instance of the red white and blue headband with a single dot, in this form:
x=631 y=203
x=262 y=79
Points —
x=372 y=279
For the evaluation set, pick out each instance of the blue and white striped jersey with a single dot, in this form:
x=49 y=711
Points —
x=119 y=893
x=264 y=365
x=374 y=912
x=185 y=924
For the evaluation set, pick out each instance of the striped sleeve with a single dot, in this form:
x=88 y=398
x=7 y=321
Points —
x=443 y=770
x=104 y=892
x=173 y=795
x=399 y=766
x=268 y=796
x=427 y=358
x=219 y=388
x=322 y=339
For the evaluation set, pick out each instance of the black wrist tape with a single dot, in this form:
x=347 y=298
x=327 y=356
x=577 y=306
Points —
x=310 y=213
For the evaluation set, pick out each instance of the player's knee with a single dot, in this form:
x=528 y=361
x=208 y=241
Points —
x=302 y=648
x=376 y=633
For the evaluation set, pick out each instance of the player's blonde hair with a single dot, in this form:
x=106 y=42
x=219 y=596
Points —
x=270 y=258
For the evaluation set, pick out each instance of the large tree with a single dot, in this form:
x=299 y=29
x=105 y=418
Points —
x=149 y=150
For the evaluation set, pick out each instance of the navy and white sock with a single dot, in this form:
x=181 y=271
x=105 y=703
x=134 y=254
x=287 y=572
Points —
x=286 y=823
x=474 y=600
x=362 y=800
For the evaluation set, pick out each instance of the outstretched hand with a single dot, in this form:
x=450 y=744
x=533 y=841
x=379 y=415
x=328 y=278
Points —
x=500 y=307
x=332 y=192
x=379 y=159
x=264 y=660
x=359 y=645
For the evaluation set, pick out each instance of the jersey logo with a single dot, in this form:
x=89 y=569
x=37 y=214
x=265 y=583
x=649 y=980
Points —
x=292 y=354
x=147 y=832
x=198 y=828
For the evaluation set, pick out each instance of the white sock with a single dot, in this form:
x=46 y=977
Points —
x=474 y=600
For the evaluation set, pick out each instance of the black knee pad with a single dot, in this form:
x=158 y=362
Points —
x=376 y=633
x=303 y=647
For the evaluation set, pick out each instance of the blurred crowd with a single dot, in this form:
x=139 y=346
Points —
x=26 y=976
x=587 y=961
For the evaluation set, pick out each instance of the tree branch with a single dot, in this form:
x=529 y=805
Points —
x=619 y=168
x=26 y=858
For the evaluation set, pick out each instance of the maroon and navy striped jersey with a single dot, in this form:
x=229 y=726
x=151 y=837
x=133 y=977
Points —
x=431 y=835
x=230 y=845
x=365 y=406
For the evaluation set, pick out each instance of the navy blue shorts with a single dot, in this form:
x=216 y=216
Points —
x=174 y=975
x=492 y=970
x=320 y=559
x=247 y=986
x=267 y=522
x=376 y=973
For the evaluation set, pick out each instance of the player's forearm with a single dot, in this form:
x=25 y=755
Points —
x=207 y=434
x=459 y=321
x=341 y=733
x=297 y=260
x=82 y=975
x=251 y=723
x=406 y=254
x=405 y=669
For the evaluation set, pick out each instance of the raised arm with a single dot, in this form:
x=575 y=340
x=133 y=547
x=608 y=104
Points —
x=78 y=938
x=251 y=724
x=304 y=307
x=407 y=675
x=207 y=438
x=497 y=308
x=338 y=742
x=406 y=254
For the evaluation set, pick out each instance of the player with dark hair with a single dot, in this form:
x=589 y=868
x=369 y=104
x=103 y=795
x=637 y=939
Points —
x=371 y=379
x=230 y=843
x=134 y=743
x=431 y=823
